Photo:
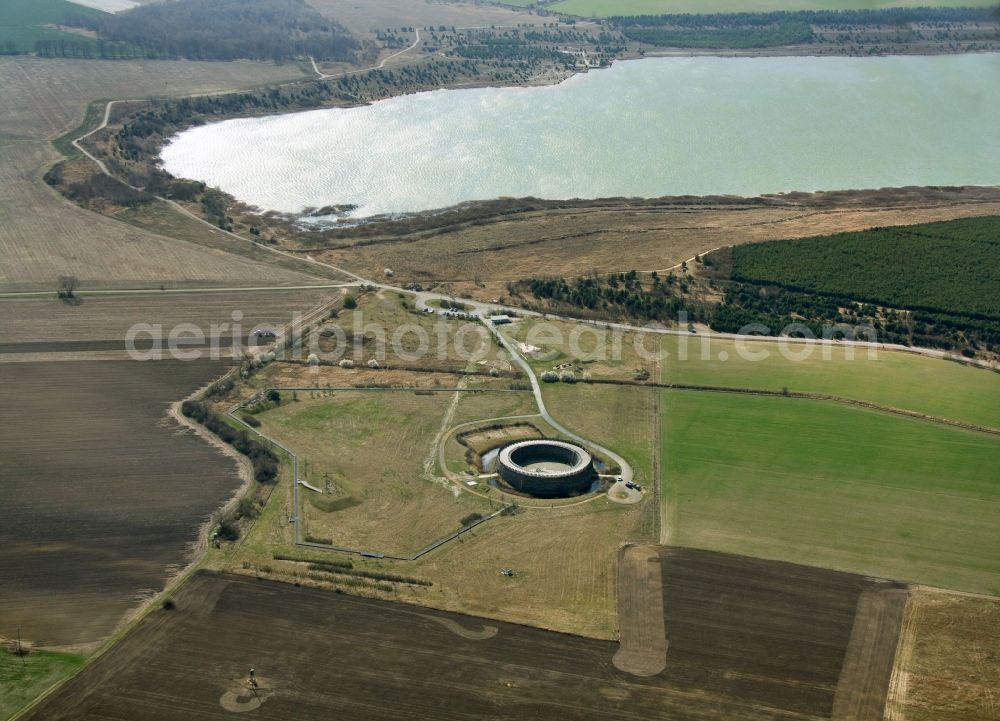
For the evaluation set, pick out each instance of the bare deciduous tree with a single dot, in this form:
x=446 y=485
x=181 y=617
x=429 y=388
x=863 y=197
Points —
x=67 y=286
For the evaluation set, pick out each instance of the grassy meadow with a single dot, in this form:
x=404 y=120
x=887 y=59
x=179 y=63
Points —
x=618 y=417
x=822 y=484
x=20 y=682
x=585 y=349
x=373 y=446
x=605 y=8
x=897 y=379
x=366 y=450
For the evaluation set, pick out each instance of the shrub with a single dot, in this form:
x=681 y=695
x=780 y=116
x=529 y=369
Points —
x=228 y=529
x=550 y=376
x=374 y=575
x=265 y=463
x=220 y=388
x=470 y=519
x=250 y=420
x=246 y=508
x=350 y=303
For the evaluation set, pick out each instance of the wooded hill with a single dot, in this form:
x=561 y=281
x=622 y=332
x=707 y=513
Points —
x=277 y=30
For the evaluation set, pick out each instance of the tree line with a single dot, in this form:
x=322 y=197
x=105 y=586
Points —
x=619 y=295
x=828 y=18
x=785 y=32
x=265 y=462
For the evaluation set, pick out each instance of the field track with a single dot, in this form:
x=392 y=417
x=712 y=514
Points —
x=643 y=637
x=864 y=680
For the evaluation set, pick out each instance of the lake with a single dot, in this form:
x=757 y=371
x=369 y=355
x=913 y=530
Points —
x=647 y=128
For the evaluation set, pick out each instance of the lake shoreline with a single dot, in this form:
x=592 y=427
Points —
x=637 y=130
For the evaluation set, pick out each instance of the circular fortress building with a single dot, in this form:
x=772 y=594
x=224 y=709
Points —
x=547 y=469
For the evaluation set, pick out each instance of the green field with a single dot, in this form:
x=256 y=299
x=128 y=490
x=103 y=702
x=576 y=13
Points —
x=22 y=682
x=897 y=379
x=617 y=417
x=605 y=8
x=22 y=23
x=822 y=484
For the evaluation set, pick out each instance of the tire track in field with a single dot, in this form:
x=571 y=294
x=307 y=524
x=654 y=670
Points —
x=867 y=671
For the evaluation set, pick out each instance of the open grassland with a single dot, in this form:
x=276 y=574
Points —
x=102 y=495
x=161 y=219
x=620 y=236
x=375 y=447
x=618 y=417
x=587 y=350
x=897 y=379
x=21 y=680
x=564 y=560
x=43 y=236
x=300 y=375
x=387 y=328
x=484 y=406
x=819 y=483
x=948 y=666
x=366 y=450
x=748 y=640
x=605 y=8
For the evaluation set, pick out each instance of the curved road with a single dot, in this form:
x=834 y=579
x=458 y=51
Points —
x=325 y=76
x=626 y=470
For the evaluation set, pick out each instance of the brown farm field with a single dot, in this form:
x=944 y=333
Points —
x=43 y=236
x=948 y=667
x=102 y=493
x=50 y=324
x=748 y=640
